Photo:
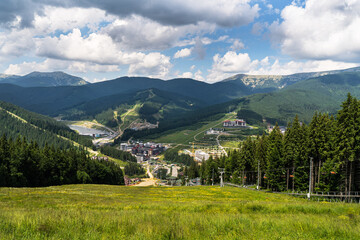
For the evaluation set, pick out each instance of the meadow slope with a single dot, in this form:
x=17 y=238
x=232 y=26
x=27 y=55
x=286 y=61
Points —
x=114 y=212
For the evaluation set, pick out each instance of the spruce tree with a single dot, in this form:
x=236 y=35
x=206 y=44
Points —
x=348 y=139
x=261 y=157
x=275 y=170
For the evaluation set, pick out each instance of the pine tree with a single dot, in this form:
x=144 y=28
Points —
x=275 y=170
x=348 y=139
x=211 y=171
x=302 y=163
x=4 y=162
x=293 y=142
x=260 y=154
x=248 y=162
x=331 y=179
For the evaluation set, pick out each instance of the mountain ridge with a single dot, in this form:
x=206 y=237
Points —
x=43 y=79
x=281 y=81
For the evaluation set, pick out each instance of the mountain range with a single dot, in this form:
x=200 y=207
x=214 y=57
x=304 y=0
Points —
x=52 y=100
x=322 y=94
x=280 y=81
x=273 y=97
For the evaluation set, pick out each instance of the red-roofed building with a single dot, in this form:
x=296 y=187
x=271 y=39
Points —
x=235 y=123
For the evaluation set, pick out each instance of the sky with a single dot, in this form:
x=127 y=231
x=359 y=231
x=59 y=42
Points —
x=207 y=40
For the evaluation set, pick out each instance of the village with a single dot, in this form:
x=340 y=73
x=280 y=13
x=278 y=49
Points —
x=150 y=156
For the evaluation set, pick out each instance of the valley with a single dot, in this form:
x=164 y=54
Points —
x=176 y=120
x=167 y=147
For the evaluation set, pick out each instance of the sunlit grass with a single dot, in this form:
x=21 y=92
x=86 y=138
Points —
x=184 y=136
x=230 y=144
x=116 y=212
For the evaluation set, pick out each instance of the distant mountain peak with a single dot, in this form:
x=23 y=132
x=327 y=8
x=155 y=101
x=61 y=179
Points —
x=44 y=79
x=55 y=73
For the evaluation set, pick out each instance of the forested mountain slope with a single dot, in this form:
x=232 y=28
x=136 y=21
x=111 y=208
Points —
x=15 y=121
x=54 y=100
x=151 y=105
x=26 y=164
x=322 y=94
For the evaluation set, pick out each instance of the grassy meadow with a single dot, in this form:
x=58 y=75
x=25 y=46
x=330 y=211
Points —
x=191 y=133
x=117 y=212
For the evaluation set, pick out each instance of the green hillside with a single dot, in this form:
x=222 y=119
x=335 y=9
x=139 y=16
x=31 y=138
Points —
x=54 y=100
x=206 y=212
x=16 y=121
x=179 y=104
x=26 y=164
x=151 y=105
x=322 y=94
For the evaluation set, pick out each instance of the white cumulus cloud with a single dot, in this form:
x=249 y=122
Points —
x=185 y=52
x=291 y=67
x=237 y=45
x=152 y=65
x=186 y=75
x=49 y=65
x=232 y=63
x=320 y=30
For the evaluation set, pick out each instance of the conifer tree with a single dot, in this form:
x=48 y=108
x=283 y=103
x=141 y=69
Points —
x=293 y=143
x=260 y=155
x=248 y=163
x=348 y=139
x=302 y=164
x=275 y=170
x=211 y=171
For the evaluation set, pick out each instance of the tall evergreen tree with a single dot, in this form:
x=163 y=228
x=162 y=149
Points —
x=261 y=156
x=348 y=139
x=276 y=169
x=293 y=143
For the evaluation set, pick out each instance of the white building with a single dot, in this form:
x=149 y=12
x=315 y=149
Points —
x=123 y=146
x=212 y=131
x=234 y=123
x=201 y=155
x=139 y=158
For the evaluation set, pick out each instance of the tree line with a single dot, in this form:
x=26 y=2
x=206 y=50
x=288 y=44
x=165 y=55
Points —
x=172 y=155
x=118 y=154
x=25 y=164
x=134 y=169
x=328 y=147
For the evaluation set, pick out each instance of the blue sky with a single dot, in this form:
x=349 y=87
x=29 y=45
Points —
x=208 y=40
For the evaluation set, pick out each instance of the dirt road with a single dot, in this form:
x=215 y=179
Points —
x=151 y=181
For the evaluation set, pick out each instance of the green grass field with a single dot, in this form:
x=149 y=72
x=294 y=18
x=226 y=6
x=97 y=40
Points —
x=230 y=144
x=117 y=212
x=189 y=134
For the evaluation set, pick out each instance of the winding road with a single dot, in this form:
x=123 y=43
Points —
x=151 y=181
x=221 y=147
